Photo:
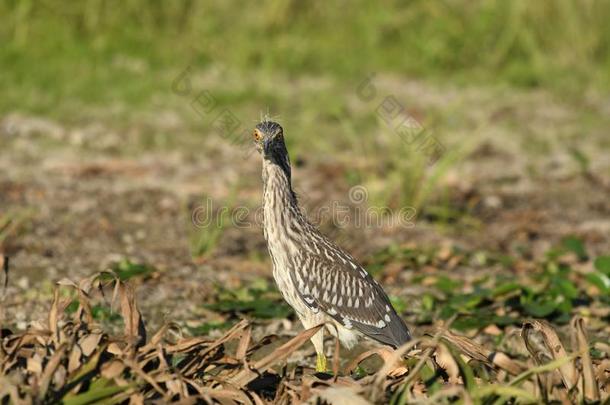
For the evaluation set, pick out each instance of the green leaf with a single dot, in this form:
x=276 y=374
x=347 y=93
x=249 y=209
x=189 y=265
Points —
x=72 y=307
x=465 y=323
x=431 y=378
x=600 y=280
x=398 y=303
x=125 y=270
x=465 y=301
x=259 y=308
x=94 y=394
x=447 y=285
x=505 y=288
x=540 y=309
x=259 y=299
x=104 y=313
x=359 y=372
x=481 y=320
x=503 y=391
x=575 y=245
x=206 y=328
x=564 y=287
x=427 y=302
x=447 y=312
x=602 y=264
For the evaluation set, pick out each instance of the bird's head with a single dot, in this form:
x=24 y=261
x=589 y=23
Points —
x=269 y=138
x=269 y=141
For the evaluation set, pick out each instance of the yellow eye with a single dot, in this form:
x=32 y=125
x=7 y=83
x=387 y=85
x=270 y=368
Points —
x=257 y=135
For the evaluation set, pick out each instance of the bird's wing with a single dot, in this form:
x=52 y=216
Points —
x=333 y=282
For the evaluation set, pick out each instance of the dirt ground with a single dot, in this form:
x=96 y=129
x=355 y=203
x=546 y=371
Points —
x=78 y=207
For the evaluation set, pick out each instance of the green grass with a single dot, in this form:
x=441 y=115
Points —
x=554 y=290
x=259 y=300
x=110 y=51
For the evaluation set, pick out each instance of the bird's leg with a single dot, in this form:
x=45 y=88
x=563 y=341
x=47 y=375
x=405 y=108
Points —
x=321 y=363
x=318 y=344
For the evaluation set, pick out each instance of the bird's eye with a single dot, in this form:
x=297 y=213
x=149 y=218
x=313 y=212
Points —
x=256 y=135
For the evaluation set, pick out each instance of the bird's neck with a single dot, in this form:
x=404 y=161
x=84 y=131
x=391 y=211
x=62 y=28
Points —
x=282 y=218
x=277 y=185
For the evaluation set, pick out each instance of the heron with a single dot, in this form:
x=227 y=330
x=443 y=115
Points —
x=323 y=283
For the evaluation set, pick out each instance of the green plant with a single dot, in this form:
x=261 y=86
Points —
x=260 y=300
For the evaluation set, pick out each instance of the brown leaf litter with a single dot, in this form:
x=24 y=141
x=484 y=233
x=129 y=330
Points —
x=71 y=359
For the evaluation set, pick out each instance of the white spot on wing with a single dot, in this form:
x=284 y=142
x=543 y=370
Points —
x=387 y=318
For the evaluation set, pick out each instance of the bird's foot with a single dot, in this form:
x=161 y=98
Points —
x=321 y=363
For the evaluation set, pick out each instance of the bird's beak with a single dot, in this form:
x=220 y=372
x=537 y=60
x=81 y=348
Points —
x=266 y=143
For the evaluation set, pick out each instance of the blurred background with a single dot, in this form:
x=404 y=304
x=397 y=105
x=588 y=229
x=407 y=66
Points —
x=124 y=132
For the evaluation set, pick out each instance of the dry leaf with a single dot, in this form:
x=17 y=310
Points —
x=506 y=363
x=581 y=346
x=112 y=369
x=281 y=353
x=444 y=358
x=54 y=317
x=134 y=325
x=66 y=357
x=244 y=343
x=74 y=359
x=89 y=343
x=339 y=396
x=34 y=364
x=555 y=348
x=49 y=370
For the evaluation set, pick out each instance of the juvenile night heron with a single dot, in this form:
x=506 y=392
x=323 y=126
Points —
x=322 y=282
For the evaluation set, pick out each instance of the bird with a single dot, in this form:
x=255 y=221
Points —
x=322 y=283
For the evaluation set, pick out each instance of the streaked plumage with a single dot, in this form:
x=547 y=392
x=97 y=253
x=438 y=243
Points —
x=316 y=277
